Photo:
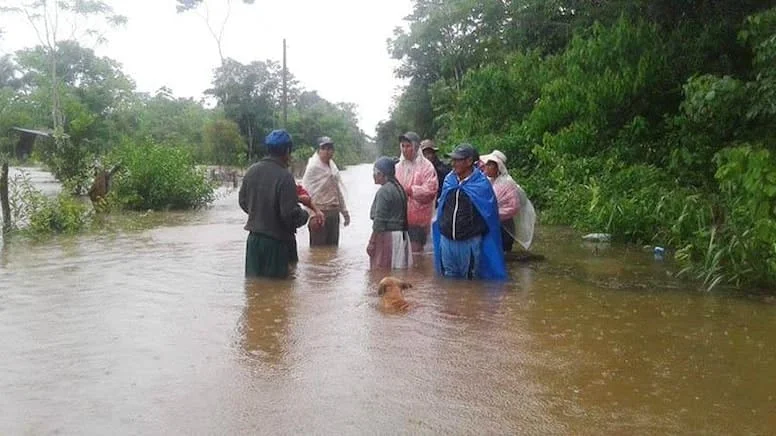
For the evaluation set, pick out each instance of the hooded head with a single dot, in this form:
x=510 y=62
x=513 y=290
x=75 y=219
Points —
x=410 y=143
x=278 y=142
x=499 y=158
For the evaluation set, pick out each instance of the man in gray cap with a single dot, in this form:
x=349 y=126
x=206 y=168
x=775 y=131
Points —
x=322 y=180
x=418 y=177
x=467 y=231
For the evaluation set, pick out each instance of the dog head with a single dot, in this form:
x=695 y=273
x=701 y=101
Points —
x=391 y=282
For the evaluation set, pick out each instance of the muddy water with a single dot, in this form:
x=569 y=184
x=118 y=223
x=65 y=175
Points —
x=152 y=330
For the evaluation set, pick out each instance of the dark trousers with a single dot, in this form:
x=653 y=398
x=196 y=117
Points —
x=266 y=257
x=329 y=233
x=507 y=241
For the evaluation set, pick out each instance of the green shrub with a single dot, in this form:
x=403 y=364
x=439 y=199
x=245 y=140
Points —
x=742 y=246
x=63 y=214
x=159 y=177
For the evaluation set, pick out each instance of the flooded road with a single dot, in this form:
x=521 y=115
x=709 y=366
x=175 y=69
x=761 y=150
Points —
x=153 y=330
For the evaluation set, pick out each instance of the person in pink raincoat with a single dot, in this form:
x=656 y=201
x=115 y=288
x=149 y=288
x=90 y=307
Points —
x=515 y=211
x=418 y=177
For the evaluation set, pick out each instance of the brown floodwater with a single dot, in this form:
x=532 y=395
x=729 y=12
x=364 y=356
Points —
x=148 y=327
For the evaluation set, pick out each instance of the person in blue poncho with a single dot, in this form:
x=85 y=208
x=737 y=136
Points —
x=467 y=232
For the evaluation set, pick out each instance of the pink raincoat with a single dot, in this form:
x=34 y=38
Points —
x=513 y=203
x=420 y=176
x=506 y=196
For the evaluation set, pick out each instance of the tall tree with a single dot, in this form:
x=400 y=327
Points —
x=57 y=20
x=250 y=95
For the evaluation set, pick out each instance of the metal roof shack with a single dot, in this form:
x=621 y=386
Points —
x=27 y=139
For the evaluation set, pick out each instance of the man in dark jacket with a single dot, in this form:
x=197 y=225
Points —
x=467 y=232
x=430 y=150
x=268 y=195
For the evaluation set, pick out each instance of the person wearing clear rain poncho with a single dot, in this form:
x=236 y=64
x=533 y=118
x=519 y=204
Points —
x=389 y=246
x=322 y=180
x=419 y=179
x=516 y=213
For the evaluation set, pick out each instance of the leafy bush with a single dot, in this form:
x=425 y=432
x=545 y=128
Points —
x=742 y=248
x=159 y=177
x=33 y=212
x=63 y=214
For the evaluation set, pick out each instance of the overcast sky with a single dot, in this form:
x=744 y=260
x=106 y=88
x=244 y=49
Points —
x=337 y=47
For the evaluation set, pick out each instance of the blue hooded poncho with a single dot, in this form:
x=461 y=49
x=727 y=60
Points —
x=480 y=191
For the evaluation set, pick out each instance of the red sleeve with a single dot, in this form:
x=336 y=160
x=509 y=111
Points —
x=300 y=191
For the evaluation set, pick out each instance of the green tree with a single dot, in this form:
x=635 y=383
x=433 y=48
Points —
x=250 y=95
x=223 y=144
x=93 y=98
x=313 y=116
x=52 y=19
x=168 y=120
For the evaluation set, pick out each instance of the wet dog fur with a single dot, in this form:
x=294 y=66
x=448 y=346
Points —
x=391 y=291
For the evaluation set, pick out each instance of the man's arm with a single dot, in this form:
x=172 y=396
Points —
x=290 y=211
x=341 y=200
x=243 y=195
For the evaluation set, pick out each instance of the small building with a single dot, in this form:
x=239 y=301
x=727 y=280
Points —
x=26 y=142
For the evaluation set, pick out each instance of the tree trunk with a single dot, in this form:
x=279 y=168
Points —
x=55 y=110
x=4 y=199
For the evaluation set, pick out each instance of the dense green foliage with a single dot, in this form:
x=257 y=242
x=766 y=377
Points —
x=159 y=177
x=654 y=121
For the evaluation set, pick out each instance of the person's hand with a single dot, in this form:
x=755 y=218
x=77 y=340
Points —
x=306 y=200
x=346 y=216
x=316 y=221
x=370 y=249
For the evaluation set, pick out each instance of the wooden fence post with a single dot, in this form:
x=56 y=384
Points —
x=4 y=199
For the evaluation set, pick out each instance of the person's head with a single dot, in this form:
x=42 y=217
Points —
x=495 y=164
x=384 y=170
x=491 y=169
x=463 y=158
x=429 y=149
x=279 y=144
x=325 y=149
x=410 y=143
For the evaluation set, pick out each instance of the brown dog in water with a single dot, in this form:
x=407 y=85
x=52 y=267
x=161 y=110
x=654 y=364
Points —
x=391 y=290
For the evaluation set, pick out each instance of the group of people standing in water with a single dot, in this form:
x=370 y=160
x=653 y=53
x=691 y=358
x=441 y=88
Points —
x=472 y=209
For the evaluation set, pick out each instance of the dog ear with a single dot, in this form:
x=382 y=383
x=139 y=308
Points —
x=381 y=289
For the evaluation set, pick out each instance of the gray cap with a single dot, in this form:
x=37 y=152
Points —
x=325 y=140
x=464 y=151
